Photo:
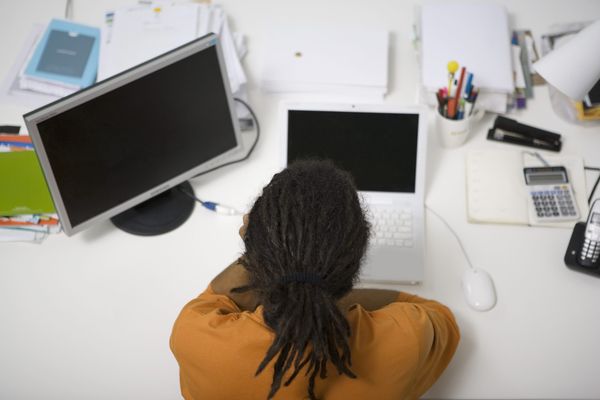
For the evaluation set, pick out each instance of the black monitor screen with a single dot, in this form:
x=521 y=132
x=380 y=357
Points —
x=378 y=149
x=142 y=134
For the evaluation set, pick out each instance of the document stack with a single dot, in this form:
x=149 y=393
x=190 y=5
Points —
x=344 y=62
x=478 y=37
x=26 y=208
x=63 y=61
x=135 y=34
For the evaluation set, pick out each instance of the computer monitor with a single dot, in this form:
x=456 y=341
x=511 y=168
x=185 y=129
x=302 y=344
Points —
x=120 y=148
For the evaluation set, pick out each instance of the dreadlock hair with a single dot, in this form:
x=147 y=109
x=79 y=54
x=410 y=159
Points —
x=305 y=241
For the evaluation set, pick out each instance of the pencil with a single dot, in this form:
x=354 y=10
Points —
x=459 y=87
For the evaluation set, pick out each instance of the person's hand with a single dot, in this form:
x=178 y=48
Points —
x=244 y=227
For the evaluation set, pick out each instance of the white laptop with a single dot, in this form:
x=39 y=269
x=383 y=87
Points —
x=384 y=148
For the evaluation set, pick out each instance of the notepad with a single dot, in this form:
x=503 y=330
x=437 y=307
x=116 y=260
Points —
x=22 y=184
x=67 y=53
x=496 y=191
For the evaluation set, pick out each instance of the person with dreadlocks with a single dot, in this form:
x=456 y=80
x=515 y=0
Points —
x=284 y=321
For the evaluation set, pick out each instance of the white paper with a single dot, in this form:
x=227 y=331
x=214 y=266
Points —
x=325 y=59
x=141 y=33
x=517 y=69
x=136 y=34
x=476 y=35
x=19 y=235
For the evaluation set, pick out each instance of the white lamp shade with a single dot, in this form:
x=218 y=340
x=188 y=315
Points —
x=574 y=68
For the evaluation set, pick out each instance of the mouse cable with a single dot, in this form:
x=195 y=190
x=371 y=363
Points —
x=217 y=207
x=453 y=232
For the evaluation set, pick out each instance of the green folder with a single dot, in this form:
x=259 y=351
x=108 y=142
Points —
x=23 y=189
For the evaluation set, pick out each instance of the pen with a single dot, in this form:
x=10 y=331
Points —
x=459 y=87
x=474 y=94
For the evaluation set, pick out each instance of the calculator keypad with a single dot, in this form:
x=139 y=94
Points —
x=554 y=202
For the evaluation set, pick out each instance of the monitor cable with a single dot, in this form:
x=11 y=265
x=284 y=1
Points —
x=218 y=207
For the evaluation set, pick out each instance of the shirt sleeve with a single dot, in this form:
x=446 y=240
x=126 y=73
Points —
x=208 y=302
x=437 y=333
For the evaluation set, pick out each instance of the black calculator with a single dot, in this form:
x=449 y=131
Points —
x=551 y=196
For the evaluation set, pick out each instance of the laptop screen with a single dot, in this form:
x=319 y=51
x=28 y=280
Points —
x=378 y=149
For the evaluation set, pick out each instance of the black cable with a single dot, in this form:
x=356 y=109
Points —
x=593 y=190
x=595 y=184
x=255 y=119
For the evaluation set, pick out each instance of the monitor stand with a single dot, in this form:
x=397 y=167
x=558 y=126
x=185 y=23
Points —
x=160 y=214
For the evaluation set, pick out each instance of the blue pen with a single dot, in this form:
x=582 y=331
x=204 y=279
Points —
x=469 y=86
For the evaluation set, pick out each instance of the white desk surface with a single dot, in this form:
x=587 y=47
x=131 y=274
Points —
x=90 y=316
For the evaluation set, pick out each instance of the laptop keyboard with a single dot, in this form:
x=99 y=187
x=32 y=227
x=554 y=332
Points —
x=392 y=227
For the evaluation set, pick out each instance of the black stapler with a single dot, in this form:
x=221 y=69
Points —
x=510 y=131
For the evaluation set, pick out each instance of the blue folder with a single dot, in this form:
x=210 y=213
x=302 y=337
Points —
x=67 y=53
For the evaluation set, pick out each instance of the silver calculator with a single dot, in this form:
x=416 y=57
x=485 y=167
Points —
x=551 y=196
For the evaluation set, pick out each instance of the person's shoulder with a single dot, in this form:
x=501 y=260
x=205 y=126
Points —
x=213 y=309
x=409 y=315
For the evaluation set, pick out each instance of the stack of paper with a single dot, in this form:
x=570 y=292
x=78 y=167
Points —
x=477 y=36
x=343 y=62
x=136 y=34
x=63 y=61
x=26 y=208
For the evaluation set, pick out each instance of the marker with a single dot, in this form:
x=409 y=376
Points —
x=452 y=68
x=469 y=86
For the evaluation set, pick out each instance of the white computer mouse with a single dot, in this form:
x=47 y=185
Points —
x=478 y=289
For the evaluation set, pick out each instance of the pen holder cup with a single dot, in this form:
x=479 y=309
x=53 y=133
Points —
x=454 y=132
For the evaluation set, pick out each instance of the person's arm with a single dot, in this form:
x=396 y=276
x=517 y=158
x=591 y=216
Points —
x=369 y=299
x=235 y=275
x=374 y=299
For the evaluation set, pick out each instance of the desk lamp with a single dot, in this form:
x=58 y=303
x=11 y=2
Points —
x=574 y=68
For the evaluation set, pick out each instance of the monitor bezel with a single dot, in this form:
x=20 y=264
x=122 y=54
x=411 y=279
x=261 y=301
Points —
x=35 y=117
x=421 y=150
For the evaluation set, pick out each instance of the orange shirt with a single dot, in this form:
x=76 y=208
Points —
x=398 y=351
